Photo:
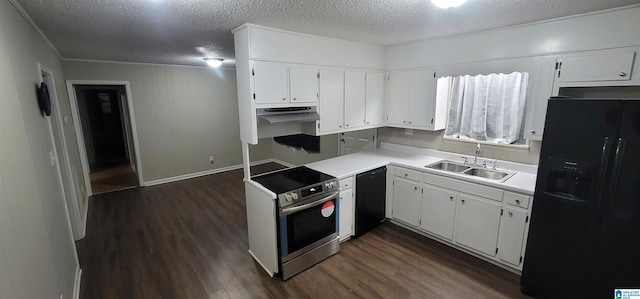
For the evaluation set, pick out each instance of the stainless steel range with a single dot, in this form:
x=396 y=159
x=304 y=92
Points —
x=307 y=217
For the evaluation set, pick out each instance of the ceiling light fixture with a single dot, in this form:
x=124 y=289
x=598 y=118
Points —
x=448 y=3
x=213 y=62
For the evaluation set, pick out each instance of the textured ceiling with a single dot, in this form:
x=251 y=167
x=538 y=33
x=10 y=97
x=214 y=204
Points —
x=183 y=31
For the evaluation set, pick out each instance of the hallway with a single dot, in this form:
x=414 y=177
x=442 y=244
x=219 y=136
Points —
x=113 y=178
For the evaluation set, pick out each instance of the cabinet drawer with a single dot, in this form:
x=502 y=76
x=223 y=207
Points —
x=408 y=174
x=346 y=183
x=465 y=187
x=516 y=199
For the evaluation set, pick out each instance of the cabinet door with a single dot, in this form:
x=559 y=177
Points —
x=597 y=67
x=477 y=223
x=438 y=211
x=331 y=104
x=406 y=201
x=512 y=226
x=397 y=110
x=542 y=90
x=354 y=99
x=422 y=99
x=346 y=213
x=374 y=99
x=270 y=83
x=304 y=84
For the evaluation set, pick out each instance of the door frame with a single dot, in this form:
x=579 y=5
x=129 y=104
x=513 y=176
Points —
x=76 y=217
x=73 y=100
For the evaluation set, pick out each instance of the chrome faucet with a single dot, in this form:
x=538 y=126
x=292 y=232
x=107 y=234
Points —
x=475 y=158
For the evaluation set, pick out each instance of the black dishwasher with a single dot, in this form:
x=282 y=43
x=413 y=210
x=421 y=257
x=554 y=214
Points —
x=371 y=190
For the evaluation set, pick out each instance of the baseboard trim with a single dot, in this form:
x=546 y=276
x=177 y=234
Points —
x=76 y=287
x=83 y=220
x=209 y=172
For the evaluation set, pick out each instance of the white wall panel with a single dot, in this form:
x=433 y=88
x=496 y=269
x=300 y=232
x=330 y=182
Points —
x=285 y=46
x=615 y=28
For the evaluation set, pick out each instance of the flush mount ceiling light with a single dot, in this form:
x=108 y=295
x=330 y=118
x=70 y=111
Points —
x=448 y=3
x=213 y=62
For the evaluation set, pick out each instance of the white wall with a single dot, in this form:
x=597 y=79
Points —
x=37 y=254
x=519 y=48
x=183 y=114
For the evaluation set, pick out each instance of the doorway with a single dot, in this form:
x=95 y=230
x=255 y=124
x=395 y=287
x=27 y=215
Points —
x=76 y=202
x=107 y=140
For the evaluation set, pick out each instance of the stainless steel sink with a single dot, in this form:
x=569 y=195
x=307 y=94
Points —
x=487 y=173
x=471 y=170
x=449 y=166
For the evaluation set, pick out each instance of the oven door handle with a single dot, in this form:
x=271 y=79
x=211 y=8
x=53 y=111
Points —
x=288 y=211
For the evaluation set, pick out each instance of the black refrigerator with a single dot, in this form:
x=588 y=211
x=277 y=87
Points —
x=584 y=235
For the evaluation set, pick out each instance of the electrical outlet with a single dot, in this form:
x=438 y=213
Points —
x=211 y=160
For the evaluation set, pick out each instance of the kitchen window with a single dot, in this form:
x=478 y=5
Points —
x=488 y=108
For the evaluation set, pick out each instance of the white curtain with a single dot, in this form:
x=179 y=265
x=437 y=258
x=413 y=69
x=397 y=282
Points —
x=488 y=107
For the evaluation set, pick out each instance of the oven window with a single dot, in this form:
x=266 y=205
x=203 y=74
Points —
x=308 y=226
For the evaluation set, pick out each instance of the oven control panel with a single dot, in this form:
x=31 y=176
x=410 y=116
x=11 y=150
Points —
x=302 y=194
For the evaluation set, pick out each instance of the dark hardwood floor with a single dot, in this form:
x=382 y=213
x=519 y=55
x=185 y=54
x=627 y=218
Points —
x=189 y=240
x=113 y=177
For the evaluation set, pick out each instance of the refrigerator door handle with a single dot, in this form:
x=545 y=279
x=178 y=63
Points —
x=617 y=165
x=604 y=161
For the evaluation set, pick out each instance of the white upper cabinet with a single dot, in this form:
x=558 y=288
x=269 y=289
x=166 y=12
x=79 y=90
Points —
x=398 y=99
x=354 y=99
x=374 y=99
x=614 y=66
x=270 y=82
x=304 y=84
x=541 y=90
x=279 y=83
x=412 y=100
x=331 y=101
x=350 y=100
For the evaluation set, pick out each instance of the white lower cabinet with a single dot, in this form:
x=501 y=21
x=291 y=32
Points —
x=488 y=222
x=438 y=211
x=407 y=195
x=511 y=240
x=345 y=220
x=477 y=223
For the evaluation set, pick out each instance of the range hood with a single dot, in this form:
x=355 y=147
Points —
x=288 y=114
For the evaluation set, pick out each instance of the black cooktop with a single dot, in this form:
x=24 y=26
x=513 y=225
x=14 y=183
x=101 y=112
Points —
x=291 y=179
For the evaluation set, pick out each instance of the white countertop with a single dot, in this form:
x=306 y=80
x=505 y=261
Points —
x=415 y=158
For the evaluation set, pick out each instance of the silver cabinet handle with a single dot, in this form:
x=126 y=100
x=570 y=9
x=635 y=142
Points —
x=517 y=201
x=367 y=123
x=622 y=74
x=510 y=214
x=284 y=99
x=415 y=188
x=347 y=125
x=409 y=122
x=340 y=126
x=406 y=174
x=450 y=197
x=462 y=200
x=533 y=132
x=404 y=121
x=295 y=99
